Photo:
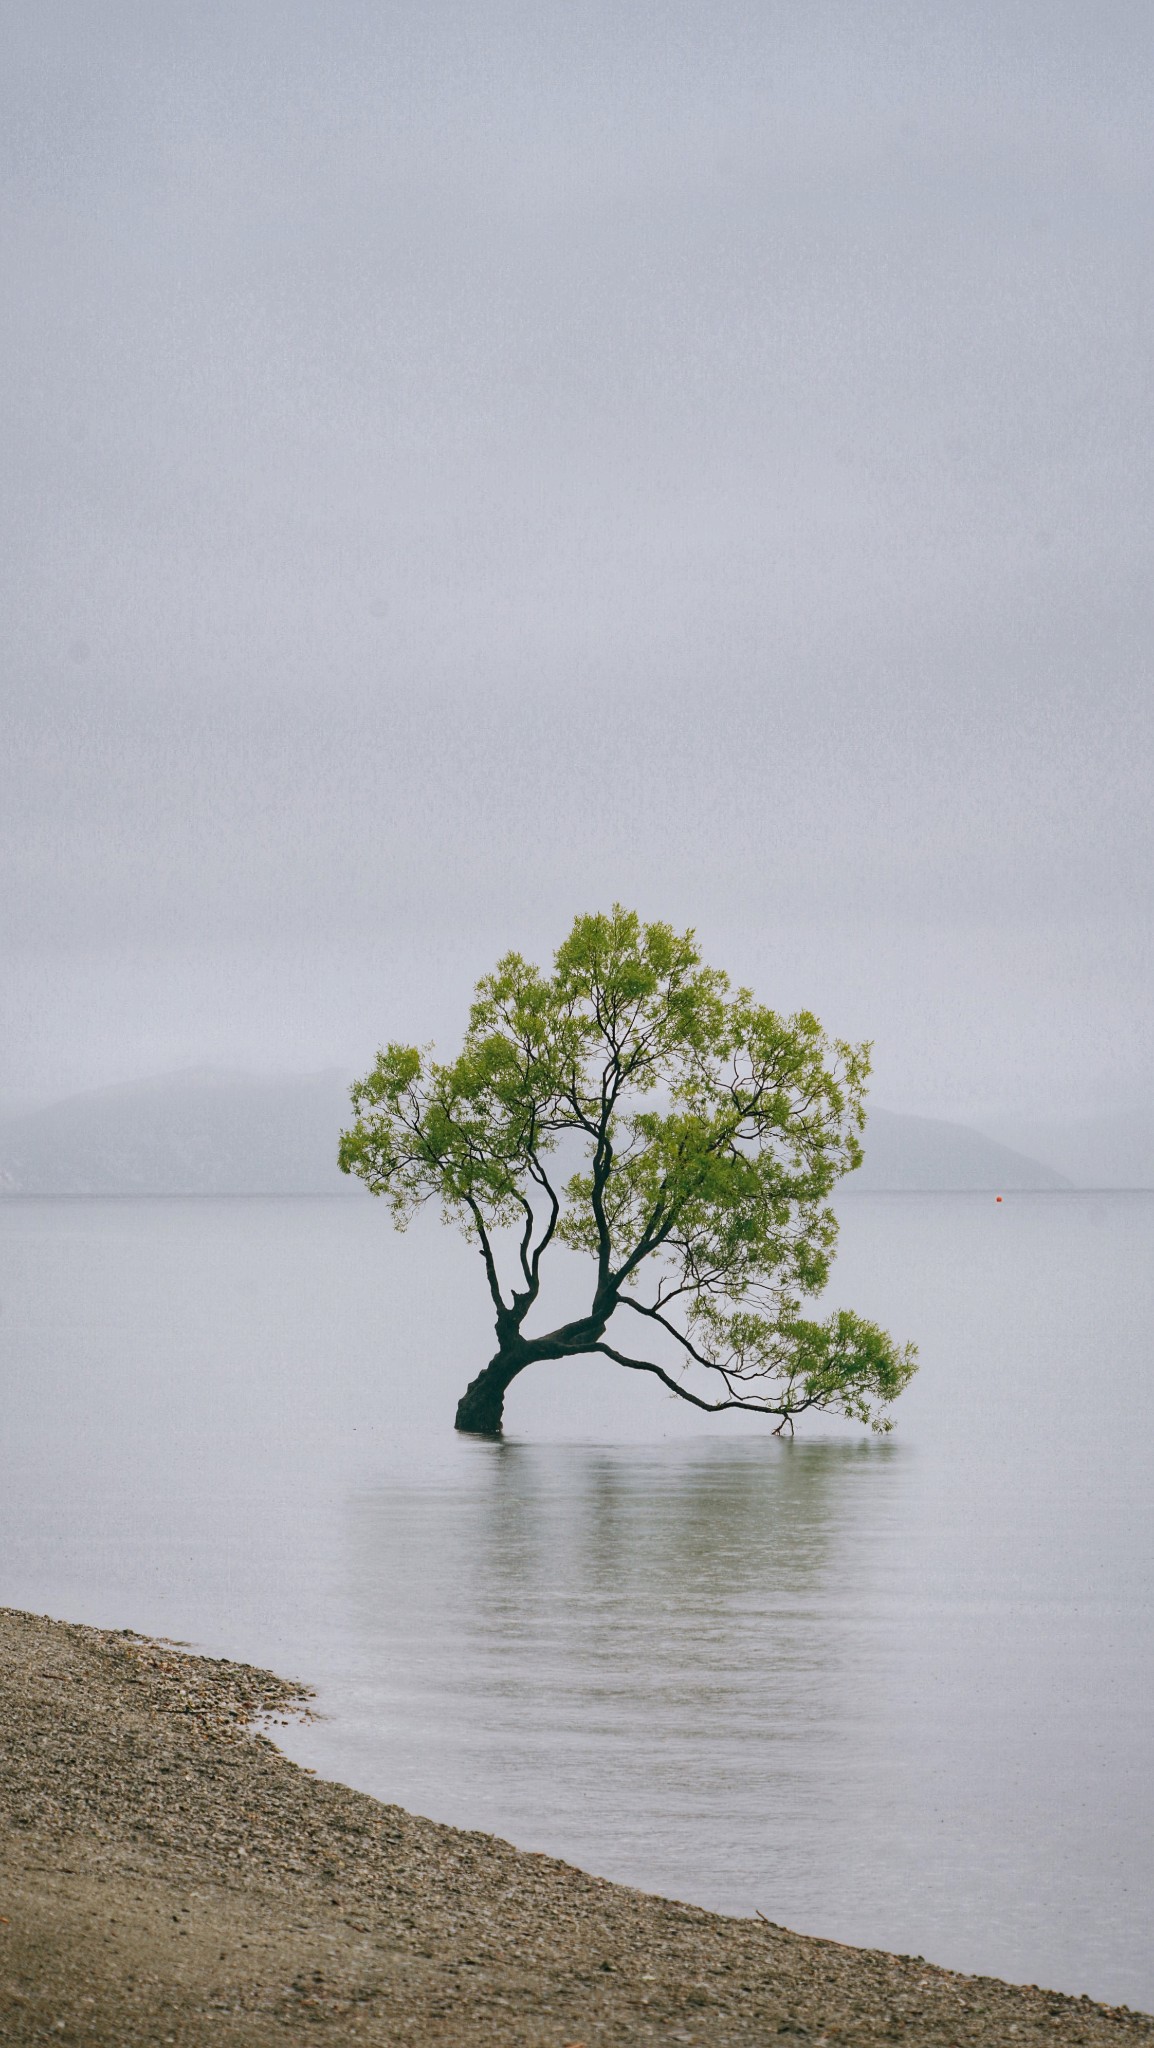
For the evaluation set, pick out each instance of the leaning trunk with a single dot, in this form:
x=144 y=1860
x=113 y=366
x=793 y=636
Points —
x=481 y=1407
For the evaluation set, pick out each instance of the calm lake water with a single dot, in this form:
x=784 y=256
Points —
x=897 y=1692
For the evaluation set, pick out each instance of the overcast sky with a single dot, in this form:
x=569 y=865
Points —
x=464 y=464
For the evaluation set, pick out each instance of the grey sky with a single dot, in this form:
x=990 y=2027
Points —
x=464 y=464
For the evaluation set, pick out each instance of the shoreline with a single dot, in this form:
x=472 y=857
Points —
x=168 y=1875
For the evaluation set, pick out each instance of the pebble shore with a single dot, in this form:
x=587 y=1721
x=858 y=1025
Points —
x=167 y=1876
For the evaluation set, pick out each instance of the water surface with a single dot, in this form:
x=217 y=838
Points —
x=896 y=1692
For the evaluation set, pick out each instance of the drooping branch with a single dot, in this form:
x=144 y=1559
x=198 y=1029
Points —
x=686 y=1393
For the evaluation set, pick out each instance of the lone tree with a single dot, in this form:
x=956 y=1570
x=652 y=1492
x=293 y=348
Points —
x=709 y=1132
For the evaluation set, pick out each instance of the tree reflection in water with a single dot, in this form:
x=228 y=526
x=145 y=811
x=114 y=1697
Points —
x=625 y=1654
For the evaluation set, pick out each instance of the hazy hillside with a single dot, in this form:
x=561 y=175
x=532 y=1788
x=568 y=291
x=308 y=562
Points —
x=920 y=1152
x=206 y=1132
x=200 y=1132
x=1096 y=1152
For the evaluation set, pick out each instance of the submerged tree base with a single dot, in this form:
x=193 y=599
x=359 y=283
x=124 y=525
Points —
x=481 y=1408
x=479 y=1417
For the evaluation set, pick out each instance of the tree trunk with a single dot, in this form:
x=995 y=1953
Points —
x=481 y=1406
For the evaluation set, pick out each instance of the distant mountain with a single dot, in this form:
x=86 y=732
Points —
x=202 y=1132
x=917 y=1152
x=205 y=1132
x=1097 y=1152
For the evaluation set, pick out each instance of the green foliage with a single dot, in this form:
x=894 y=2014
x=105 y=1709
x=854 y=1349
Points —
x=712 y=1132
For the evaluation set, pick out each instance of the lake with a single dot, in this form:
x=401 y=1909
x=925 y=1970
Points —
x=898 y=1692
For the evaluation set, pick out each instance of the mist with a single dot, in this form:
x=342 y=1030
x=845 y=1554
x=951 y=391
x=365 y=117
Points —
x=468 y=465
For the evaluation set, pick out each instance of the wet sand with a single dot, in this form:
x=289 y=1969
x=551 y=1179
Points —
x=166 y=1875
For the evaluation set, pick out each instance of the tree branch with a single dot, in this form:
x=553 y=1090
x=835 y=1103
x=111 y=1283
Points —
x=526 y=1238
x=684 y=1394
x=655 y=1315
x=487 y=1254
x=542 y=1179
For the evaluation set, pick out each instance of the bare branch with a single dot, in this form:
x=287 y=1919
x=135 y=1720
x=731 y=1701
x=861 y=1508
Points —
x=656 y=1316
x=486 y=1253
x=684 y=1393
x=546 y=1185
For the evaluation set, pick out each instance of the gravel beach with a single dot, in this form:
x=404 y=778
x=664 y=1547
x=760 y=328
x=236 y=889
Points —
x=166 y=1875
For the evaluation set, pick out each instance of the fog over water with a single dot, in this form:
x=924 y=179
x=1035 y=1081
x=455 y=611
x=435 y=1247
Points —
x=894 y=1692
x=466 y=464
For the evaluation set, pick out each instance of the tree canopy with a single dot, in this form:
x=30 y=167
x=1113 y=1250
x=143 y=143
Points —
x=634 y=1106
